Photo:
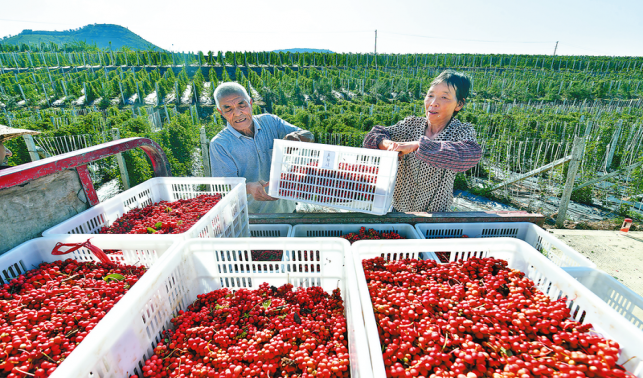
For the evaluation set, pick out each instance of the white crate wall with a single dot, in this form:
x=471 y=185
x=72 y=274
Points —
x=618 y=296
x=270 y=230
x=556 y=250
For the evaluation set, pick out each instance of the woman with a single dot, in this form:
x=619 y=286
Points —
x=432 y=149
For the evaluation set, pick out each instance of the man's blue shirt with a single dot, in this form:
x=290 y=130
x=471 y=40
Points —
x=233 y=154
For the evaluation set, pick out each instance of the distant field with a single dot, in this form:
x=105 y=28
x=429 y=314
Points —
x=527 y=110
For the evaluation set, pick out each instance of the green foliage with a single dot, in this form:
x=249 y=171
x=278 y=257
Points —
x=461 y=182
x=179 y=140
x=583 y=195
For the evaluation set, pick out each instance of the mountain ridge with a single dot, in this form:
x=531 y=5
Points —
x=99 y=34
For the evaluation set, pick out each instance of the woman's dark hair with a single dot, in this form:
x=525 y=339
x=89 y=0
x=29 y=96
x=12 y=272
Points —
x=458 y=81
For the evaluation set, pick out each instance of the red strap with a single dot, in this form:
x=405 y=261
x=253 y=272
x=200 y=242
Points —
x=98 y=253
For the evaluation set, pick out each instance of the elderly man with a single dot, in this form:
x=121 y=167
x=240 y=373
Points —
x=7 y=133
x=244 y=147
x=5 y=153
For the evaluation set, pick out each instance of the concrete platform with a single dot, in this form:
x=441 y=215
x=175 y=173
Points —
x=621 y=256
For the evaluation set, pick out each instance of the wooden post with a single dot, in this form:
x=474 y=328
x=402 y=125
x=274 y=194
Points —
x=122 y=95
x=612 y=148
x=31 y=147
x=205 y=153
x=121 y=161
x=577 y=156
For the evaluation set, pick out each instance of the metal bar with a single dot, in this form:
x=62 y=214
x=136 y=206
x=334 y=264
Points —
x=88 y=185
x=23 y=173
x=408 y=218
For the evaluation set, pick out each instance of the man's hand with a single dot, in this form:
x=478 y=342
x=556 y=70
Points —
x=300 y=136
x=402 y=147
x=256 y=189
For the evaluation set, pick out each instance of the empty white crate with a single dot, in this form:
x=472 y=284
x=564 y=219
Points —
x=547 y=277
x=228 y=218
x=350 y=178
x=115 y=348
x=336 y=230
x=618 y=296
x=557 y=251
x=270 y=230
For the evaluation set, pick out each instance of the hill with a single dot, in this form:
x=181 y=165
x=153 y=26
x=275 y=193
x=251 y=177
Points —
x=99 y=34
x=304 y=51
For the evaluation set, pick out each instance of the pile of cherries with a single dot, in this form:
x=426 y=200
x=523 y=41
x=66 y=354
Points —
x=477 y=318
x=349 y=182
x=371 y=234
x=164 y=217
x=46 y=312
x=268 y=332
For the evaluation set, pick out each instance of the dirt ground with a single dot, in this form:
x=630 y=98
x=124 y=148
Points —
x=621 y=256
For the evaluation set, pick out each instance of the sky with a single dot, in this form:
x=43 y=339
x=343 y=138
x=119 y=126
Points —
x=581 y=27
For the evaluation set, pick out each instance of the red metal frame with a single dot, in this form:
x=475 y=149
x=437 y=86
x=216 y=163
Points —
x=78 y=160
x=88 y=185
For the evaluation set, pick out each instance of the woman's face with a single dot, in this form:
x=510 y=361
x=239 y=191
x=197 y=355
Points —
x=440 y=103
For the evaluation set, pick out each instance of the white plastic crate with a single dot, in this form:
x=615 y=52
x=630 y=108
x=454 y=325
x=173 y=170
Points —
x=548 y=278
x=228 y=218
x=118 y=347
x=350 y=178
x=556 y=250
x=618 y=296
x=30 y=254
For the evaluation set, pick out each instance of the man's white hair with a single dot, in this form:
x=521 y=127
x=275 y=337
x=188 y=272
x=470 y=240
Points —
x=230 y=88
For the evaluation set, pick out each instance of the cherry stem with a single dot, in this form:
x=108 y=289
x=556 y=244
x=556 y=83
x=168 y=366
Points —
x=24 y=372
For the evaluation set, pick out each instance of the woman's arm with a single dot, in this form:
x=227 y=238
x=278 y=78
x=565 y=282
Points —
x=457 y=156
x=376 y=136
x=384 y=138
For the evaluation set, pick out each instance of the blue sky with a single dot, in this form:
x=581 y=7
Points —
x=587 y=27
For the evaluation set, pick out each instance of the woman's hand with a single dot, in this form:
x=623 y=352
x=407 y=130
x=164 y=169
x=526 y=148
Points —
x=403 y=148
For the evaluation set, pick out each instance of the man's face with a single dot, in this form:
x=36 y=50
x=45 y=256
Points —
x=237 y=111
x=4 y=155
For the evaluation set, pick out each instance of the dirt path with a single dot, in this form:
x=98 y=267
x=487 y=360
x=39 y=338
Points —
x=618 y=255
